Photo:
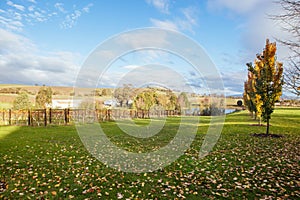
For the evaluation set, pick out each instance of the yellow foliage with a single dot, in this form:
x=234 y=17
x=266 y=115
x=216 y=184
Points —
x=265 y=81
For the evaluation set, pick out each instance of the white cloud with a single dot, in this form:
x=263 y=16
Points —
x=30 y=8
x=11 y=24
x=161 y=5
x=60 y=7
x=167 y=24
x=236 y=6
x=71 y=19
x=38 y=16
x=190 y=13
x=234 y=81
x=184 y=23
x=140 y=39
x=23 y=62
x=256 y=27
x=142 y=76
x=130 y=67
x=259 y=27
x=14 y=43
x=86 y=9
x=18 y=7
x=16 y=16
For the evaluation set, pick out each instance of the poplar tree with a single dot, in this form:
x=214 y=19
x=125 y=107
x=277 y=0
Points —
x=249 y=95
x=268 y=81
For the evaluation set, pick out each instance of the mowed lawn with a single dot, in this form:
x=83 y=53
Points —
x=52 y=163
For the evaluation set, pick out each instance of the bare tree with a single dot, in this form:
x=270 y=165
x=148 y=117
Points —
x=290 y=20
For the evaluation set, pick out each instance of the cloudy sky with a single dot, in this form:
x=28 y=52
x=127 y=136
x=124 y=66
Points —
x=48 y=42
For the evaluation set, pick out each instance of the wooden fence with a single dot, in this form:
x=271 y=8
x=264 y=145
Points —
x=44 y=117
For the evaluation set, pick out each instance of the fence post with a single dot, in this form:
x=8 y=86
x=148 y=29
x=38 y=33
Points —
x=45 y=116
x=29 y=118
x=9 y=116
x=50 y=115
x=65 y=113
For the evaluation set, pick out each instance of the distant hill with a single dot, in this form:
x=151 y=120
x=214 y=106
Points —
x=8 y=93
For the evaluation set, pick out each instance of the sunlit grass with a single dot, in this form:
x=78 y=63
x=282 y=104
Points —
x=6 y=130
x=52 y=163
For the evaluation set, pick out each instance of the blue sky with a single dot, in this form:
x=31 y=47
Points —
x=46 y=42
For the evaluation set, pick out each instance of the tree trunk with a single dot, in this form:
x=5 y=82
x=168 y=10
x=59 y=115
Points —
x=268 y=126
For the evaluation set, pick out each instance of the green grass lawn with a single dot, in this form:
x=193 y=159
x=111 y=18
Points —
x=52 y=163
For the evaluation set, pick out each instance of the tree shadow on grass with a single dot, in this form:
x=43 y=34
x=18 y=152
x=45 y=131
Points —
x=264 y=135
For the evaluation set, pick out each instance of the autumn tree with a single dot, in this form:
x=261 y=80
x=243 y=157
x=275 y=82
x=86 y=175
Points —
x=144 y=100
x=43 y=97
x=124 y=94
x=22 y=101
x=147 y=99
x=251 y=99
x=172 y=101
x=268 y=81
x=183 y=101
x=106 y=92
x=162 y=100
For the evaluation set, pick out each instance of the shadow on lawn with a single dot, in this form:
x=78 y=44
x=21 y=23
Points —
x=52 y=163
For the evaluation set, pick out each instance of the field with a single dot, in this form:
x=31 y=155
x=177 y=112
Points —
x=52 y=163
x=8 y=93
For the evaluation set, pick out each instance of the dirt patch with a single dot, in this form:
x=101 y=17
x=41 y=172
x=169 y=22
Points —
x=263 y=135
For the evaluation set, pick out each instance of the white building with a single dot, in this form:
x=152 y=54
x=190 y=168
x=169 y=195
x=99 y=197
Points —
x=65 y=103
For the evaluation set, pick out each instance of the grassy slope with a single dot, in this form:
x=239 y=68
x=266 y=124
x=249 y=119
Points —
x=52 y=162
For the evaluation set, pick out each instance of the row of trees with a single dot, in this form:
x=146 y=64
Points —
x=144 y=99
x=42 y=99
x=150 y=99
x=130 y=97
x=264 y=84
